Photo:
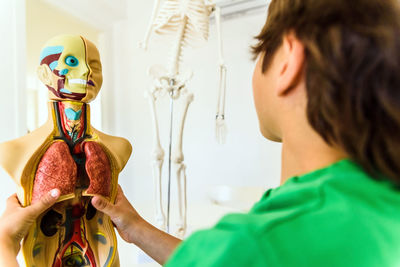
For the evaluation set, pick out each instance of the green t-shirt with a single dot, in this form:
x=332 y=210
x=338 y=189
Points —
x=336 y=216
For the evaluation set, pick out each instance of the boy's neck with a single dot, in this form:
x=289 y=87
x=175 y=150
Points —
x=303 y=153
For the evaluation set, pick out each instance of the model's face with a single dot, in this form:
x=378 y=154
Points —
x=70 y=68
x=266 y=99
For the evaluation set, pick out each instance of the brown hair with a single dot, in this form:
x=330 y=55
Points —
x=352 y=73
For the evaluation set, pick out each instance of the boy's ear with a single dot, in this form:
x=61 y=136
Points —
x=291 y=67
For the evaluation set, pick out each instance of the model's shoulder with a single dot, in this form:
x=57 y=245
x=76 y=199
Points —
x=111 y=138
x=119 y=147
x=15 y=154
x=23 y=141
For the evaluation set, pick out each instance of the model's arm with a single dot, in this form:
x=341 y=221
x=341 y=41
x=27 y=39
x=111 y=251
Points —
x=15 y=223
x=134 y=229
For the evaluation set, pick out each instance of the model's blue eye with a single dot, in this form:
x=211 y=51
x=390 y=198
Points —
x=71 y=61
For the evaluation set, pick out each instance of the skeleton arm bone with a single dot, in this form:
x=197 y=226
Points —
x=220 y=127
x=218 y=25
x=145 y=42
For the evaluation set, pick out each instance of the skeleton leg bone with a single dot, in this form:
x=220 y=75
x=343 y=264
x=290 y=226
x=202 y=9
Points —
x=182 y=200
x=180 y=169
x=157 y=162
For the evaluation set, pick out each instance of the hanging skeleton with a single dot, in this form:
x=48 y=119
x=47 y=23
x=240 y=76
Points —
x=187 y=21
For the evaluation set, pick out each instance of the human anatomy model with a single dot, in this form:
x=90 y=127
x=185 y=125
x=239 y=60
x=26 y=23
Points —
x=186 y=23
x=69 y=154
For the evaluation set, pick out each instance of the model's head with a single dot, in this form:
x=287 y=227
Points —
x=336 y=62
x=70 y=67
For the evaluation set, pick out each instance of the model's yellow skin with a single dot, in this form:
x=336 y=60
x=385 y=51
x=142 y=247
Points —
x=20 y=157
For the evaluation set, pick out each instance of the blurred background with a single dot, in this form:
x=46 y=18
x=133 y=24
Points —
x=220 y=178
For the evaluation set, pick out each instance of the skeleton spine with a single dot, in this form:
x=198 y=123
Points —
x=177 y=53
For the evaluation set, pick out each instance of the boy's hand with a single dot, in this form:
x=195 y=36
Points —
x=16 y=220
x=134 y=229
x=122 y=214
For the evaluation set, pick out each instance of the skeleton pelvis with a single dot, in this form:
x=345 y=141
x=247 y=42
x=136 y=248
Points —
x=73 y=232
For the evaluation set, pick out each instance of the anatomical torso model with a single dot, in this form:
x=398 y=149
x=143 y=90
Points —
x=69 y=154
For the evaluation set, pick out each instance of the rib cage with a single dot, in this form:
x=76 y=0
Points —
x=172 y=13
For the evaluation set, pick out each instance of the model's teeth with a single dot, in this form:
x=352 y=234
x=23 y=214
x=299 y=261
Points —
x=77 y=81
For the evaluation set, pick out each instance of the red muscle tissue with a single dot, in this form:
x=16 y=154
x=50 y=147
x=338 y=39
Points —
x=57 y=169
x=98 y=169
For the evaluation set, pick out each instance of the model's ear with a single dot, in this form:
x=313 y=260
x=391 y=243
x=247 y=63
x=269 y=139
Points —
x=45 y=75
x=291 y=68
